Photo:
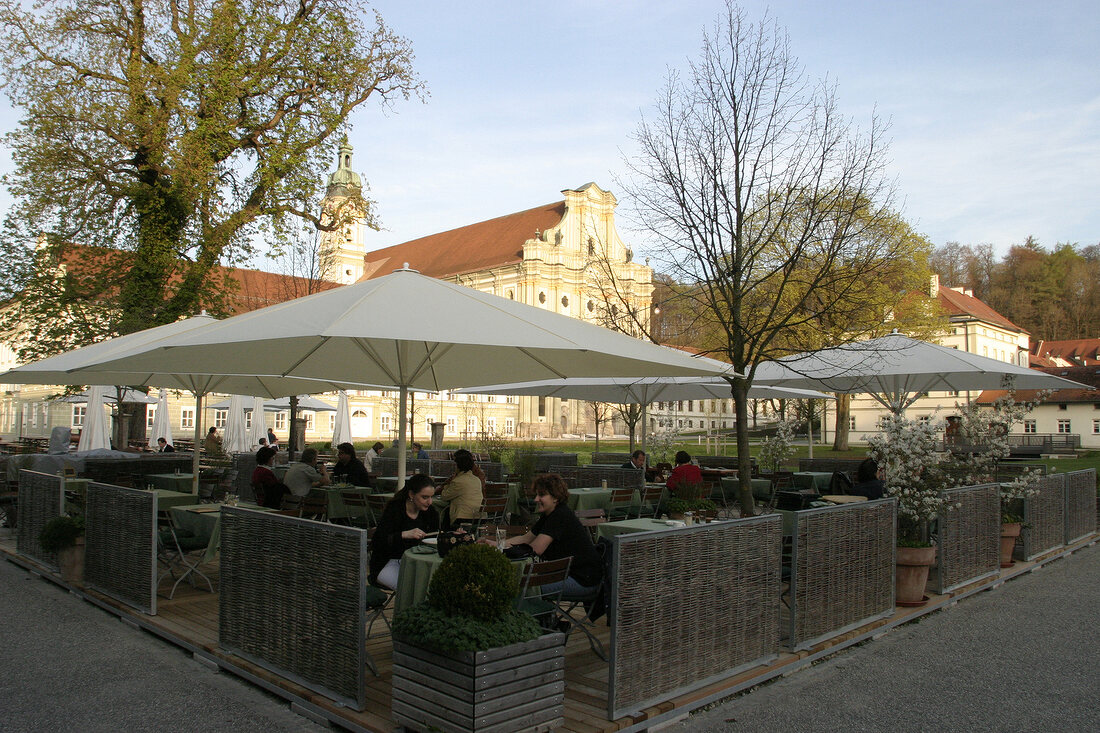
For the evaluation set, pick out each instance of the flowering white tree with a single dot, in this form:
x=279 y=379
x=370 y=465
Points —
x=778 y=447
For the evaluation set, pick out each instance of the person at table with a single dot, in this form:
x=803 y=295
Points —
x=348 y=468
x=868 y=480
x=374 y=452
x=392 y=451
x=309 y=474
x=465 y=490
x=558 y=534
x=419 y=452
x=407 y=519
x=213 y=442
x=272 y=441
x=268 y=488
x=637 y=460
x=686 y=473
x=163 y=446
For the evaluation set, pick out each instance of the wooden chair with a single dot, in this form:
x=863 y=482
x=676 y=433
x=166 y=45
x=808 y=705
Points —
x=541 y=589
x=651 y=501
x=621 y=504
x=359 y=513
x=376 y=503
x=591 y=518
x=315 y=508
x=291 y=503
x=493 y=509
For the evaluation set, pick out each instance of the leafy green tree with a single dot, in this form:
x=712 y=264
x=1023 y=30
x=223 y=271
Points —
x=178 y=133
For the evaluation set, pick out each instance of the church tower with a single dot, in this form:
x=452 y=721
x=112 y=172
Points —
x=342 y=249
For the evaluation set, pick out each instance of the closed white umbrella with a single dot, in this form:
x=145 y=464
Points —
x=341 y=431
x=95 y=434
x=235 y=439
x=258 y=429
x=161 y=429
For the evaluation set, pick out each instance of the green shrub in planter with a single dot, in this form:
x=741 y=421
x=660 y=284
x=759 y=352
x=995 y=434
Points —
x=60 y=532
x=677 y=505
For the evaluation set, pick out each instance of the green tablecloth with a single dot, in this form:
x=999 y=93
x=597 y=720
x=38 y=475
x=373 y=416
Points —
x=416 y=572
x=334 y=501
x=761 y=488
x=818 y=480
x=205 y=524
x=181 y=482
x=629 y=526
x=167 y=499
x=593 y=497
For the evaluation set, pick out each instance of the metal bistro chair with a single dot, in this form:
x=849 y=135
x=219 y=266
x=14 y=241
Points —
x=180 y=550
x=376 y=504
x=651 y=501
x=621 y=504
x=587 y=601
x=541 y=588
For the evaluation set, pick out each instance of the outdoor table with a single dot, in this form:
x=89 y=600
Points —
x=629 y=526
x=817 y=480
x=204 y=521
x=181 y=482
x=166 y=499
x=334 y=500
x=593 y=497
x=385 y=483
x=418 y=565
x=843 y=498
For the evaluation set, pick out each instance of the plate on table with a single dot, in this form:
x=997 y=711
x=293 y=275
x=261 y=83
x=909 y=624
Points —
x=423 y=550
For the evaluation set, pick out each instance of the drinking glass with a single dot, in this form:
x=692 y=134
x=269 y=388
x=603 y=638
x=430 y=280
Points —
x=501 y=537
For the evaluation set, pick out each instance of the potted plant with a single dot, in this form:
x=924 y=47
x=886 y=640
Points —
x=64 y=536
x=688 y=498
x=1012 y=523
x=465 y=659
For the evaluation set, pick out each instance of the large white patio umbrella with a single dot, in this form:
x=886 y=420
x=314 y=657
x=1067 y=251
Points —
x=258 y=428
x=235 y=439
x=410 y=332
x=129 y=396
x=160 y=428
x=895 y=370
x=341 y=430
x=95 y=433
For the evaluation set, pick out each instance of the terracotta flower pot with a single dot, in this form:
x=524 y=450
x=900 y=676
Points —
x=1009 y=532
x=911 y=574
x=70 y=562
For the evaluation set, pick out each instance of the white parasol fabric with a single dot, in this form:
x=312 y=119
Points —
x=236 y=434
x=161 y=428
x=341 y=431
x=95 y=434
x=896 y=370
x=129 y=396
x=258 y=429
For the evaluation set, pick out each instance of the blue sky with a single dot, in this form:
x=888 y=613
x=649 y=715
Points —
x=994 y=106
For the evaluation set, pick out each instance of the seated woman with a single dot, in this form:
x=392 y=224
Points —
x=269 y=490
x=558 y=533
x=868 y=482
x=407 y=519
x=686 y=472
x=464 y=491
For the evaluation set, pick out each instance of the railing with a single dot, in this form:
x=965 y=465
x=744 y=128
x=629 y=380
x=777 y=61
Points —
x=1045 y=517
x=293 y=600
x=41 y=498
x=1080 y=504
x=120 y=549
x=969 y=537
x=1054 y=441
x=841 y=568
x=689 y=607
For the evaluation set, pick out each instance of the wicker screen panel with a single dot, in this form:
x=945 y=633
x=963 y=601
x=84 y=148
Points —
x=618 y=458
x=441 y=467
x=244 y=464
x=616 y=478
x=969 y=536
x=543 y=462
x=690 y=606
x=1045 y=516
x=384 y=466
x=40 y=500
x=1080 y=504
x=842 y=569
x=293 y=599
x=120 y=544
x=844 y=465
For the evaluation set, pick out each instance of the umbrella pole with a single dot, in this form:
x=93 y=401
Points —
x=198 y=439
x=643 y=429
x=401 y=424
x=810 y=429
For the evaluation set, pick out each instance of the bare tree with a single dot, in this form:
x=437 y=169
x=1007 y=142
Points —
x=757 y=192
x=599 y=413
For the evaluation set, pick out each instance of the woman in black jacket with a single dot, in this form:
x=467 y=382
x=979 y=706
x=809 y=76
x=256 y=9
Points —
x=407 y=519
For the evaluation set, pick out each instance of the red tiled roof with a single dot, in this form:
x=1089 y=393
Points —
x=1084 y=375
x=955 y=303
x=474 y=247
x=1082 y=352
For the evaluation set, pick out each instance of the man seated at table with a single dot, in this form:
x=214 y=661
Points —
x=868 y=480
x=163 y=446
x=348 y=468
x=637 y=460
x=374 y=452
x=419 y=452
x=309 y=474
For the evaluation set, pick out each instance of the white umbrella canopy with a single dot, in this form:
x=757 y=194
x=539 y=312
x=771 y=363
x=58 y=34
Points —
x=235 y=439
x=95 y=434
x=305 y=402
x=341 y=431
x=411 y=332
x=161 y=428
x=258 y=428
x=896 y=370
x=129 y=396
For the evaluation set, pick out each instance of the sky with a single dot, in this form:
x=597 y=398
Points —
x=994 y=107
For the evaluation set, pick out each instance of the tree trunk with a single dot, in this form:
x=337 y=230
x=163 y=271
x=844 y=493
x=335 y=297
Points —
x=843 y=410
x=740 y=390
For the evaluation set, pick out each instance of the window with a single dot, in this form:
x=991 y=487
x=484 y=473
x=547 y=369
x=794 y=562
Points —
x=1096 y=427
x=542 y=407
x=490 y=425
x=428 y=423
x=248 y=419
x=1063 y=426
x=491 y=398
x=452 y=428
x=471 y=425
x=471 y=398
x=510 y=426
x=510 y=399
x=34 y=415
x=150 y=415
x=309 y=416
x=1063 y=406
x=1029 y=426
x=924 y=419
x=187 y=418
x=851 y=422
x=220 y=416
x=679 y=423
x=79 y=411
x=386 y=424
x=280 y=421
x=332 y=421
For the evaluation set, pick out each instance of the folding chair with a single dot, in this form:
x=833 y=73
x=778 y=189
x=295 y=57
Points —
x=587 y=601
x=541 y=588
x=376 y=504
x=591 y=518
x=651 y=501
x=177 y=549
x=291 y=503
x=378 y=600
x=621 y=504
x=314 y=507
x=359 y=514
x=493 y=510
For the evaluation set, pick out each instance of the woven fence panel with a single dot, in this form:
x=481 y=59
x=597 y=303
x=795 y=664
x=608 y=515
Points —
x=293 y=599
x=157 y=463
x=717 y=461
x=842 y=569
x=1080 y=504
x=387 y=466
x=120 y=557
x=619 y=458
x=969 y=536
x=690 y=606
x=544 y=462
x=616 y=478
x=244 y=464
x=832 y=465
x=40 y=500
x=1045 y=517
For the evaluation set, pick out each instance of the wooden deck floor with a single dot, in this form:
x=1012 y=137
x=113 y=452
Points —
x=191 y=620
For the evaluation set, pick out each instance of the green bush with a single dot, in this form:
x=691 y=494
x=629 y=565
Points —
x=679 y=506
x=60 y=532
x=475 y=581
x=434 y=629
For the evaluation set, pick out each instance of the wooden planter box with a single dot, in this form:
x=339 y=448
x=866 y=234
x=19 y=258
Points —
x=520 y=687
